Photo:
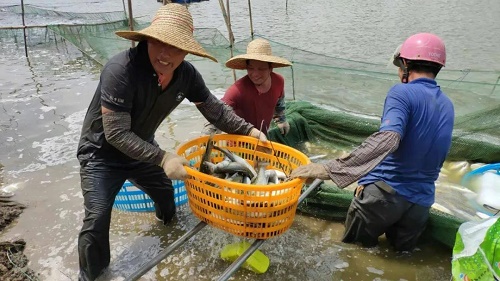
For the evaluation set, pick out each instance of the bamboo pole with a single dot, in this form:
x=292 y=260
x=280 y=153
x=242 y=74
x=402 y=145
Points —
x=24 y=30
x=229 y=30
x=231 y=36
x=22 y=26
x=124 y=9
x=131 y=20
x=251 y=23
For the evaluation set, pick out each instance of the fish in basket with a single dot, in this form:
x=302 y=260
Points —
x=237 y=184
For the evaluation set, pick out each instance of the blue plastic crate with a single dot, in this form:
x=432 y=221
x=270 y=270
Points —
x=132 y=199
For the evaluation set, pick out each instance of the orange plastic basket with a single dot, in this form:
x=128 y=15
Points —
x=248 y=210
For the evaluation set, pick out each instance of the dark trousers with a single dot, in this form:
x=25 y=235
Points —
x=374 y=212
x=100 y=183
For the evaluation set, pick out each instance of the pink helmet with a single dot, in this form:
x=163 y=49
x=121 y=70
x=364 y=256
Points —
x=423 y=47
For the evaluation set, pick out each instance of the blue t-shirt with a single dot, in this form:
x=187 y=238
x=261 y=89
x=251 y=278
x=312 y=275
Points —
x=423 y=116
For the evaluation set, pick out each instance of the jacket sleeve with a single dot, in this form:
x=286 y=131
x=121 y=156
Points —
x=223 y=116
x=346 y=170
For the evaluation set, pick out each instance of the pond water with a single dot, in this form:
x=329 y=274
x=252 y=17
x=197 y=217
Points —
x=43 y=101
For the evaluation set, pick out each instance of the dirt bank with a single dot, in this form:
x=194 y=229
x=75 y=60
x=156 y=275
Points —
x=13 y=262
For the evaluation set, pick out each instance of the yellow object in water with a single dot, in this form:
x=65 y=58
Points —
x=257 y=262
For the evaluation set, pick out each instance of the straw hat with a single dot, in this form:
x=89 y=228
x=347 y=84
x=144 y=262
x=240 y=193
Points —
x=259 y=49
x=172 y=25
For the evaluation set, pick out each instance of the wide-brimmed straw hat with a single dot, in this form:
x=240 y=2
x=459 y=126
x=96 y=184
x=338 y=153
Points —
x=259 y=49
x=172 y=25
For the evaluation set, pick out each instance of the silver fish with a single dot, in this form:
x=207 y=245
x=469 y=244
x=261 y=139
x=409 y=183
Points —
x=281 y=176
x=272 y=177
x=235 y=158
x=207 y=154
x=246 y=180
x=261 y=178
x=226 y=167
x=235 y=177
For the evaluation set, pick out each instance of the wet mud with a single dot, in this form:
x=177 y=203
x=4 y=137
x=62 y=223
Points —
x=13 y=261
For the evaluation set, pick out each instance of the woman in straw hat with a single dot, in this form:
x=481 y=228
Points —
x=259 y=96
x=138 y=89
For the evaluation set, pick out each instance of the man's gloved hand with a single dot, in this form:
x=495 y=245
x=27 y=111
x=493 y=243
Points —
x=310 y=171
x=210 y=128
x=258 y=135
x=173 y=165
x=284 y=127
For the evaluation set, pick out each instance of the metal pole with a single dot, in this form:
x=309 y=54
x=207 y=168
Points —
x=131 y=20
x=251 y=22
x=156 y=260
x=256 y=244
x=24 y=30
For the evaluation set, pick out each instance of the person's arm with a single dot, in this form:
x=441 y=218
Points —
x=223 y=116
x=117 y=130
x=210 y=128
x=279 y=110
x=231 y=92
x=371 y=152
x=218 y=113
x=279 y=116
x=346 y=170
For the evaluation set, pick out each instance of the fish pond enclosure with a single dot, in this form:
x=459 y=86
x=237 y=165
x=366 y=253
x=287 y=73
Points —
x=333 y=104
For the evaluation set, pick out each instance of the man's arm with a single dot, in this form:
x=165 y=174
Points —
x=117 y=131
x=223 y=117
x=279 y=110
x=210 y=128
x=346 y=170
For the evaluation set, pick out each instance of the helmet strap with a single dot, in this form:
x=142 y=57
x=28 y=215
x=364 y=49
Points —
x=404 y=68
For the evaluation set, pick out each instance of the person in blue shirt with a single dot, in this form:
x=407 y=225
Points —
x=397 y=166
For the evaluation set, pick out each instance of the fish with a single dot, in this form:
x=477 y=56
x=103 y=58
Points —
x=236 y=177
x=206 y=155
x=246 y=180
x=261 y=178
x=272 y=177
x=226 y=167
x=252 y=174
x=281 y=175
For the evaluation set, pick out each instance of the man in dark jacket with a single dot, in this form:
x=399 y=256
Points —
x=138 y=89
